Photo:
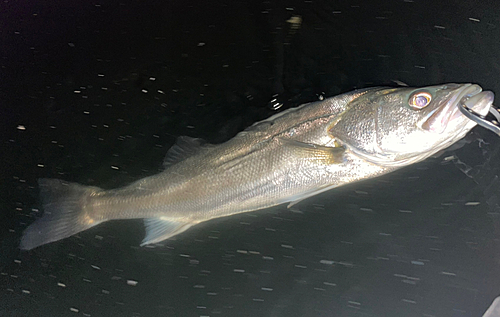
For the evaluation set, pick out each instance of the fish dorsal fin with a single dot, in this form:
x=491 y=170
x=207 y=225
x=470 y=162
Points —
x=183 y=148
x=264 y=124
x=159 y=229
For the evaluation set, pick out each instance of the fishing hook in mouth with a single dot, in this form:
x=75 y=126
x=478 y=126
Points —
x=490 y=121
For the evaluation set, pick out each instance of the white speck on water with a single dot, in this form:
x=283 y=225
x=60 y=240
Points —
x=161 y=92
x=385 y=234
x=267 y=289
x=17 y=261
x=115 y=167
x=448 y=273
x=132 y=282
x=86 y=112
x=417 y=262
x=409 y=282
x=300 y=266
x=328 y=262
x=100 y=75
x=199 y=286
x=21 y=127
x=61 y=284
x=87 y=280
x=239 y=270
x=257 y=299
x=409 y=301
x=152 y=78
x=329 y=284
x=25 y=291
x=420 y=66
x=474 y=19
x=185 y=255
x=354 y=303
x=77 y=91
x=201 y=44
x=267 y=258
x=472 y=203
x=75 y=310
x=71 y=44
x=242 y=251
x=439 y=27
x=95 y=267
x=406 y=211
x=286 y=246
x=105 y=291
x=144 y=91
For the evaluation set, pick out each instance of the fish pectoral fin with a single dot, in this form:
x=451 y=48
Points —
x=159 y=229
x=324 y=154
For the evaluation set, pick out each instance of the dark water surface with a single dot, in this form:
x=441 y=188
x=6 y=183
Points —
x=96 y=92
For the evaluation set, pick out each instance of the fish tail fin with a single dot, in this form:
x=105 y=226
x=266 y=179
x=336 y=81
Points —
x=64 y=213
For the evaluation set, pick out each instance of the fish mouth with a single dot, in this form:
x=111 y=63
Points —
x=448 y=114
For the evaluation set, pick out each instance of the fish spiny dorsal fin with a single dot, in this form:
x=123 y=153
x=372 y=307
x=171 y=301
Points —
x=183 y=148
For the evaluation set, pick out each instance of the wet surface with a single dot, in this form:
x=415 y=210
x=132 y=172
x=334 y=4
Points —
x=96 y=93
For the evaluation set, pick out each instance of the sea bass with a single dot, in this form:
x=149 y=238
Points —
x=286 y=158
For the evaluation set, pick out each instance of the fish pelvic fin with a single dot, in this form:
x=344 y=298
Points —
x=64 y=213
x=159 y=229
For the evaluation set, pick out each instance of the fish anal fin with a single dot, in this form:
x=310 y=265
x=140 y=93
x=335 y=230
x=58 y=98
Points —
x=183 y=148
x=323 y=154
x=159 y=229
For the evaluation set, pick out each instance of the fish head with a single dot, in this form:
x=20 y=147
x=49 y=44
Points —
x=400 y=126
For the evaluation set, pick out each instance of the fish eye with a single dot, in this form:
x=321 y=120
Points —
x=420 y=100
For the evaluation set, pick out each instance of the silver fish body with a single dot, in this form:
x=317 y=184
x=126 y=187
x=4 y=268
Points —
x=288 y=157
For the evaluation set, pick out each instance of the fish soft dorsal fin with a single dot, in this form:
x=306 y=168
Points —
x=159 y=229
x=183 y=148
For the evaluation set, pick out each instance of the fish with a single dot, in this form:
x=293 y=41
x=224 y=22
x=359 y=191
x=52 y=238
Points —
x=293 y=155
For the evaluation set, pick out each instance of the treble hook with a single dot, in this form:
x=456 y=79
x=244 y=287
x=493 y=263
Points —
x=490 y=121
